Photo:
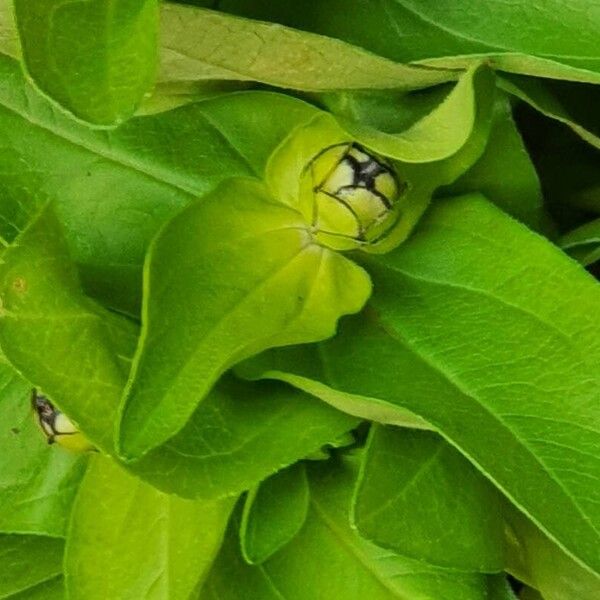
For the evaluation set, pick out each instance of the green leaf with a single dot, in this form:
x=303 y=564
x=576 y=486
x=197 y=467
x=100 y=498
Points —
x=9 y=38
x=328 y=559
x=127 y=540
x=273 y=286
x=274 y=512
x=77 y=353
x=96 y=58
x=436 y=508
x=37 y=482
x=53 y=589
x=488 y=358
x=533 y=558
x=583 y=243
x=239 y=435
x=565 y=102
x=57 y=338
x=199 y=44
x=551 y=40
x=504 y=173
x=302 y=367
x=28 y=561
x=439 y=134
x=114 y=189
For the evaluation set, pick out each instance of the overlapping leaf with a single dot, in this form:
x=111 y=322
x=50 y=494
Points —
x=78 y=354
x=200 y=44
x=488 y=358
x=436 y=507
x=583 y=243
x=114 y=189
x=534 y=559
x=453 y=35
x=238 y=436
x=336 y=562
x=96 y=58
x=128 y=540
x=505 y=173
x=273 y=513
x=30 y=563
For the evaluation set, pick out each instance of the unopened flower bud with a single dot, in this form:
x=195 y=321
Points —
x=355 y=196
x=57 y=427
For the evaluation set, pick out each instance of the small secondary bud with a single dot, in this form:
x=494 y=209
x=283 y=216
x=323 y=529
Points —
x=56 y=426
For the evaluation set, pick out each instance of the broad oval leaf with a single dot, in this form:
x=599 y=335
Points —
x=198 y=44
x=230 y=276
x=128 y=540
x=419 y=497
x=96 y=58
x=551 y=40
x=328 y=559
x=274 y=512
x=490 y=359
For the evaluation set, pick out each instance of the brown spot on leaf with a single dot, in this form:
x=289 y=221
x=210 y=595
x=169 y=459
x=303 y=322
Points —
x=20 y=285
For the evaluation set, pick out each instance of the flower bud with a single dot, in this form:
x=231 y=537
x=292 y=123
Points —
x=57 y=427
x=355 y=196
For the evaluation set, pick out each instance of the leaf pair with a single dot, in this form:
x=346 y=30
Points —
x=502 y=366
x=335 y=560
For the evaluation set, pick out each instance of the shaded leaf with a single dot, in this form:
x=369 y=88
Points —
x=328 y=559
x=419 y=497
x=28 y=561
x=533 y=558
x=274 y=512
x=100 y=77
x=53 y=589
x=583 y=243
x=550 y=98
x=439 y=134
x=505 y=174
x=200 y=44
x=239 y=435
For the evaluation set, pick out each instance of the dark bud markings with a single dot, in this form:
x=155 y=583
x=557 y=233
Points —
x=355 y=195
x=57 y=427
